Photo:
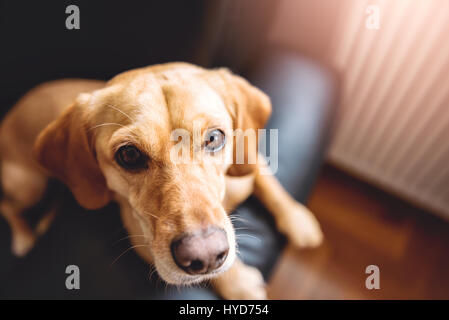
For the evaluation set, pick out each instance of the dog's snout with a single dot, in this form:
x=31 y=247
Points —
x=201 y=252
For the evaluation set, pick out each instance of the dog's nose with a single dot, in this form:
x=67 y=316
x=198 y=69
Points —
x=201 y=252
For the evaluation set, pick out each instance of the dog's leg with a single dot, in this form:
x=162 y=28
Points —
x=240 y=282
x=23 y=238
x=22 y=188
x=292 y=218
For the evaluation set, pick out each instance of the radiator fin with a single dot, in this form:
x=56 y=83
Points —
x=393 y=124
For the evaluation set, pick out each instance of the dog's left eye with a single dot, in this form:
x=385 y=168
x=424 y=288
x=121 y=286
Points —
x=131 y=158
x=215 y=140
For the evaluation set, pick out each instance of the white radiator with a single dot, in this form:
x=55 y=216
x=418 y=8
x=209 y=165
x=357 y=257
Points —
x=393 y=125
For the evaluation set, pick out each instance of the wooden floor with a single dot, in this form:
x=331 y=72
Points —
x=364 y=226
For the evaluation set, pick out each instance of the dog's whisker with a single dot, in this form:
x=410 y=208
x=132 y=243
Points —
x=242 y=228
x=106 y=124
x=166 y=288
x=207 y=283
x=249 y=236
x=239 y=219
x=130 y=248
x=152 y=215
x=152 y=272
x=118 y=110
x=128 y=237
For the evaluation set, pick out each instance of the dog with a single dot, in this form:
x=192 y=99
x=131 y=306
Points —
x=112 y=141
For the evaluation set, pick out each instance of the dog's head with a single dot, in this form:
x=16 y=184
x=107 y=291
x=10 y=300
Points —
x=131 y=139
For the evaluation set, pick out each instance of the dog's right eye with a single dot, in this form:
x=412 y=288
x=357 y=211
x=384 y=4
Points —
x=131 y=158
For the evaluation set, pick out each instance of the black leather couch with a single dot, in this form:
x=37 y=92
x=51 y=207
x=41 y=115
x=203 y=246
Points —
x=117 y=37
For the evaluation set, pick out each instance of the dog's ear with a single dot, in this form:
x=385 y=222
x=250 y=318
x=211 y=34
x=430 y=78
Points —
x=64 y=149
x=249 y=108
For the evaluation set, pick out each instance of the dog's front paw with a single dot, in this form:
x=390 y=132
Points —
x=301 y=227
x=241 y=282
x=22 y=243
